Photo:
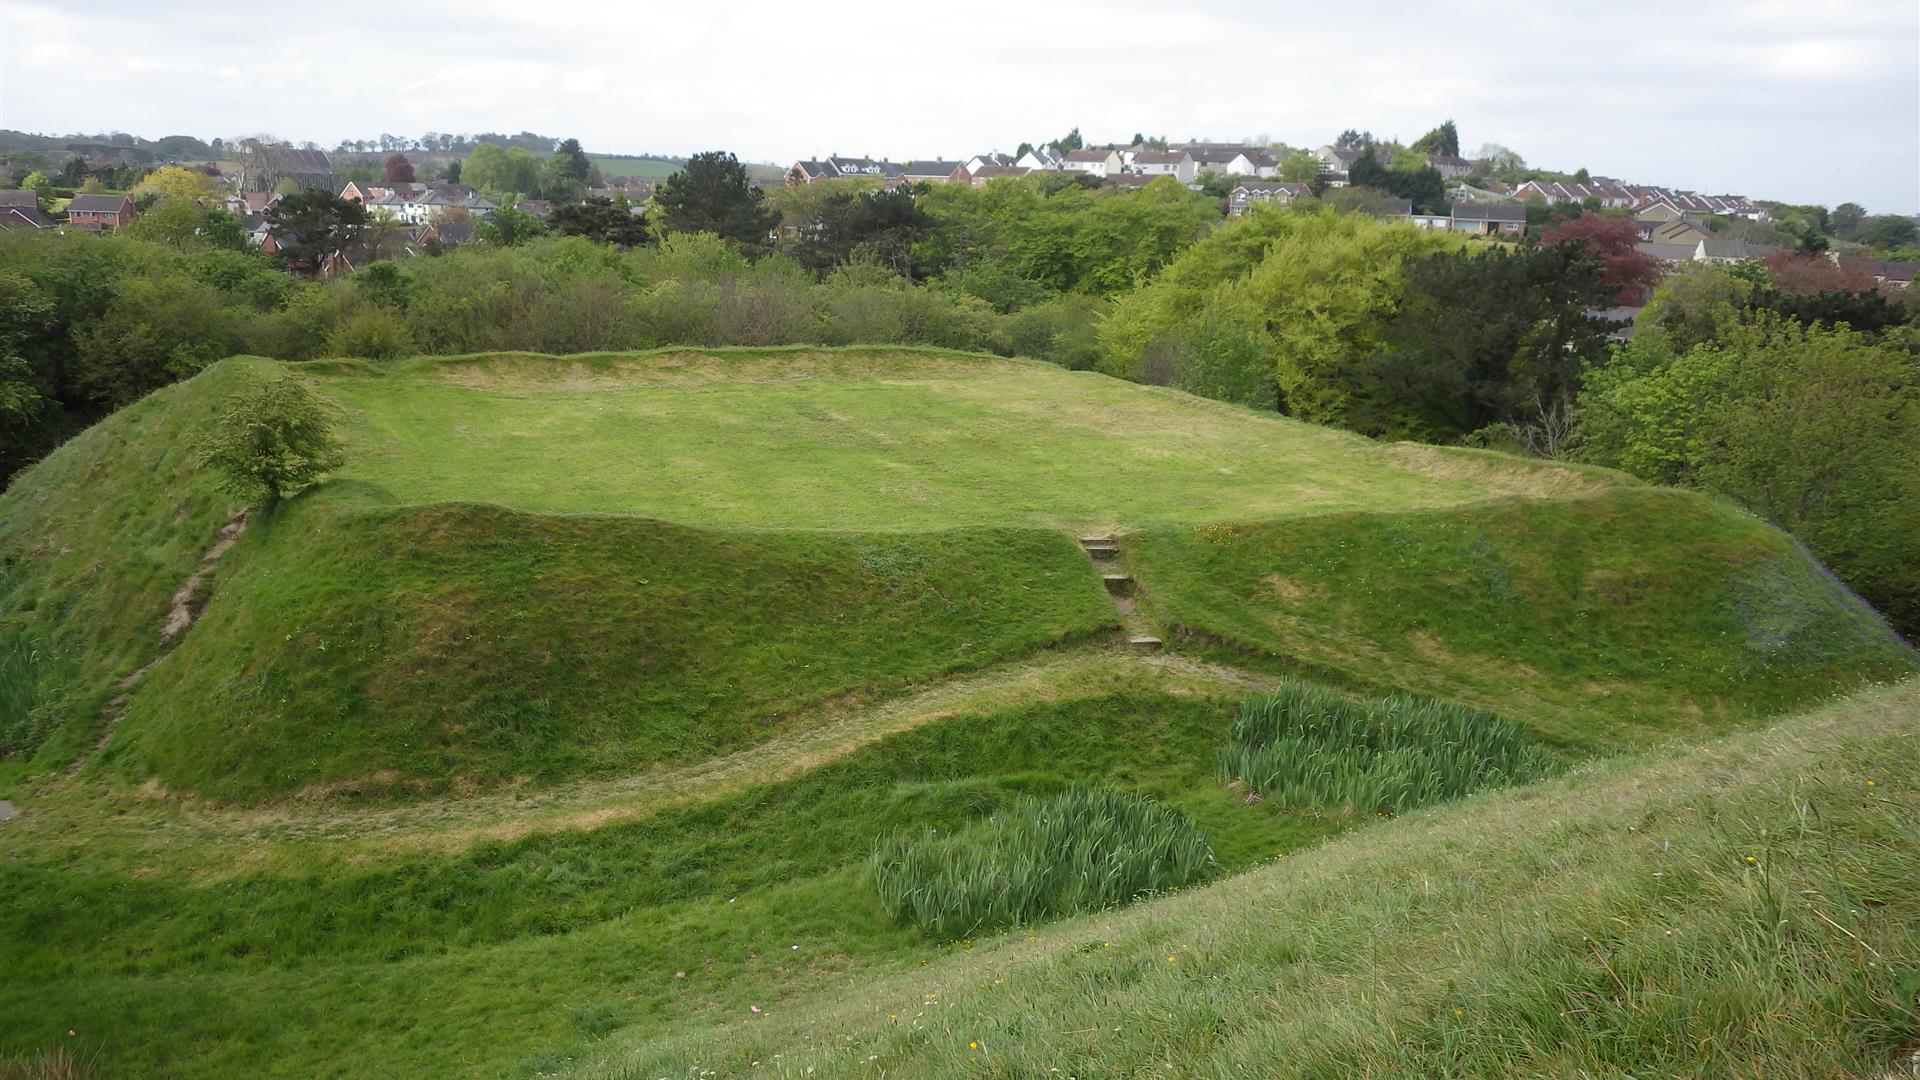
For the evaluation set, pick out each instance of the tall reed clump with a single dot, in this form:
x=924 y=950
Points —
x=32 y=678
x=1081 y=850
x=1307 y=746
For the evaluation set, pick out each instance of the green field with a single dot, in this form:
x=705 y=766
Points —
x=556 y=732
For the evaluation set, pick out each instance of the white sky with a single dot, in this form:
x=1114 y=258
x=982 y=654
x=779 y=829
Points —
x=1805 y=102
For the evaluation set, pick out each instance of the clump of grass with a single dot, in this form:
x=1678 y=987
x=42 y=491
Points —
x=1306 y=746
x=32 y=682
x=1082 y=850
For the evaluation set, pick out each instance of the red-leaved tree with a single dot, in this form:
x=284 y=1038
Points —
x=399 y=170
x=1803 y=275
x=1614 y=241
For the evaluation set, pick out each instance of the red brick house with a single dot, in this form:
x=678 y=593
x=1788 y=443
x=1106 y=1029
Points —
x=96 y=212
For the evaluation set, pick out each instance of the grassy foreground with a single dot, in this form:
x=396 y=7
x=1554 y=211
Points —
x=1739 y=908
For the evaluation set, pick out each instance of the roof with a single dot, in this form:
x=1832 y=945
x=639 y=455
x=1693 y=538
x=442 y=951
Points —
x=20 y=197
x=1715 y=247
x=999 y=170
x=1667 y=252
x=99 y=204
x=932 y=168
x=1269 y=188
x=1089 y=155
x=1450 y=160
x=1159 y=157
x=1396 y=207
x=1488 y=211
x=21 y=217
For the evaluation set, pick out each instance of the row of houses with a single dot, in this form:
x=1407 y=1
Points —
x=1136 y=164
x=418 y=204
x=94 y=213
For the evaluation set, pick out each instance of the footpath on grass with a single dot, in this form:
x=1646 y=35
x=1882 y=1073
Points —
x=457 y=822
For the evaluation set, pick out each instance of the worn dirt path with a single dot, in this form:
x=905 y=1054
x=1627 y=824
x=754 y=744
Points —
x=454 y=822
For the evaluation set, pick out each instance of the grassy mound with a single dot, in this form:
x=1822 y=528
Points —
x=862 y=438
x=1304 y=745
x=433 y=647
x=1625 y=614
x=1081 y=850
x=1738 y=908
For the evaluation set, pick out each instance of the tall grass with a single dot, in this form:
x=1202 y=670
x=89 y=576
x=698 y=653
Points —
x=33 y=678
x=1304 y=745
x=1084 y=849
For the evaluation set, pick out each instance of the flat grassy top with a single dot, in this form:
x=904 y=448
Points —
x=861 y=439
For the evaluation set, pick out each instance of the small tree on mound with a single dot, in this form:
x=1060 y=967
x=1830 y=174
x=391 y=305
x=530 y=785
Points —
x=270 y=441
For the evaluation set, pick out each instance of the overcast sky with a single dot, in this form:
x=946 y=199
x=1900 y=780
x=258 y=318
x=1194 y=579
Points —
x=1787 y=100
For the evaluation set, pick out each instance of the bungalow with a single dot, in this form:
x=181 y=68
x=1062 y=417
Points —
x=1715 y=249
x=20 y=209
x=1250 y=193
x=96 y=212
x=934 y=172
x=1450 y=165
x=835 y=167
x=1678 y=231
x=1040 y=157
x=1101 y=163
x=979 y=175
x=1668 y=253
x=1488 y=218
x=1178 y=164
x=981 y=161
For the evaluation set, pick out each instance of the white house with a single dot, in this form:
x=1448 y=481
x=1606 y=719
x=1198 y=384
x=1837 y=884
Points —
x=1101 y=163
x=1251 y=193
x=1178 y=164
x=1040 y=157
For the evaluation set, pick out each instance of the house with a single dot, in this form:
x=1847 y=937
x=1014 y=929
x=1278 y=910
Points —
x=1668 y=253
x=96 y=212
x=981 y=174
x=1678 y=231
x=1442 y=222
x=416 y=205
x=1251 y=193
x=1339 y=162
x=1178 y=164
x=251 y=203
x=536 y=208
x=447 y=234
x=1040 y=158
x=934 y=172
x=1715 y=249
x=835 y=167
x=360 y=192
x=981 y=161
x=1101 y=163
x=20 y=209
x=1885 y=272
x=1488 y=218
x=1450 y=165
x=1394 y=208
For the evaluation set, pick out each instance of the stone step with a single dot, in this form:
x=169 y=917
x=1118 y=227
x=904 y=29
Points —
x=1144 y=643
x=1118 y=583
x=1096 y=541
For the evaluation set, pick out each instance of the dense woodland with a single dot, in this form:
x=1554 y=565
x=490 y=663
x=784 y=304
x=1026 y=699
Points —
x=1791 y=387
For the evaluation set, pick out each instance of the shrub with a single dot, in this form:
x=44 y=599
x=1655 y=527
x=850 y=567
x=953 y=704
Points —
x=1306 y=746
x=373 y=334
x=1081 y=850
x=271 y=440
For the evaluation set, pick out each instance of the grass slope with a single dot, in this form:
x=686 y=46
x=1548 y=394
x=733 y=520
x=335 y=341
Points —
x=1626 y=614
x=453 y=645
x=723 y=887
x=1739 y=909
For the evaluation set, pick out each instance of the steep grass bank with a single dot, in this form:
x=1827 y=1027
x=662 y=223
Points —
x=423 y=649
x=1628 y=614
x=1740 y=908
x=93 y=542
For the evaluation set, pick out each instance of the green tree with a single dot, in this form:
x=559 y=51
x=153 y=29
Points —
x=602 y=221
x=25 y=315
x=1888 y=231
x=1816 y=429
x=508 y=226
x=271 y=440
x=572 y=160
x=174 y=221
x=1444 y=139
x=1846 y=219
x=713 y=193
x=501 y=170
x=312 y=224
x=1305 y=167
x=41 y=187
x=158 y=329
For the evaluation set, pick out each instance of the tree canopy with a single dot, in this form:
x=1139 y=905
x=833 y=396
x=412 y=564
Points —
x=714 y=194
